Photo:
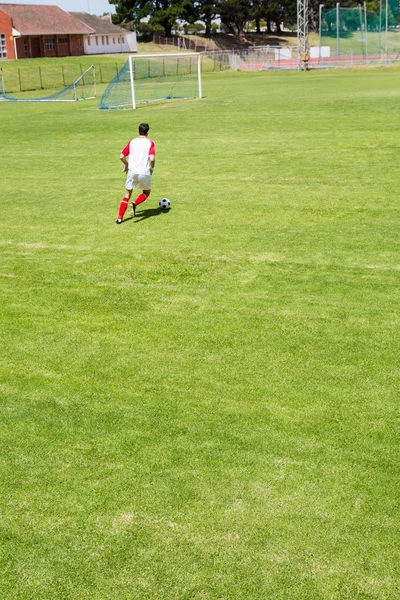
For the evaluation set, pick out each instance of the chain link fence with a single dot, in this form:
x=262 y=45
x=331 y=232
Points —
x=282 y=58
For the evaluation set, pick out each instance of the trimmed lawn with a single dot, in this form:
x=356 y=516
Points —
x=203 y=403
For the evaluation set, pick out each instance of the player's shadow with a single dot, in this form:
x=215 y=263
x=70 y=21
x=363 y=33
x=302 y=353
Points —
x=146 y=213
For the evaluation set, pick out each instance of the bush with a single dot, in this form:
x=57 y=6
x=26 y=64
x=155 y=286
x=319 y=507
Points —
x=194 y=28
x=144 y=32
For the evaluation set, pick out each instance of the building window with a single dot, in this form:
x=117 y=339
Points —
x=113 y=40
x=26 y=49
x=88 y=41
x=50 y=44
x=63 y=40
x=97 y=41
x=107 y=40
x=118 y=40
x=3 y=47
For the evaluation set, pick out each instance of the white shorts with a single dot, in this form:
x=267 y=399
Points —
x=134 y=179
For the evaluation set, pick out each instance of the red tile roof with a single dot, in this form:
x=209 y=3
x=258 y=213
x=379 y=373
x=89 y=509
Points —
x=35 y=19
x=100 y=26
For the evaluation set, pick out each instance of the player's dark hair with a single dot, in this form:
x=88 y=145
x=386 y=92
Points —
x=143 y=129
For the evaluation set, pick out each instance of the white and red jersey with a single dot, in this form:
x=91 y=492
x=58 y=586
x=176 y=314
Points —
x=139 y=151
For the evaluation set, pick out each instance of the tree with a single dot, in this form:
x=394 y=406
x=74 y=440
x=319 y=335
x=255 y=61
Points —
x=273 y=12
x=234 y=14
x=288 y=12
x=165 y=16
x=130 y=10
x=161 y=13
x=205 y=10
x=257 y=13
x=167 y=12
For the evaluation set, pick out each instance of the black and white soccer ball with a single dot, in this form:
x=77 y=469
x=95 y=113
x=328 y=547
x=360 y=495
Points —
x=165 y=204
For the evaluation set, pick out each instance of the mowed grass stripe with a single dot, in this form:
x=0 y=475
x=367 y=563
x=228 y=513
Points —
x=202 y=404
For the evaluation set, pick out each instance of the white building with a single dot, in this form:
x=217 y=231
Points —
x=106 y=37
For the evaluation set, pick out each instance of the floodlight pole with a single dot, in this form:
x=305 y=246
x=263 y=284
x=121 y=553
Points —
x=321 y=6
x=302 y=34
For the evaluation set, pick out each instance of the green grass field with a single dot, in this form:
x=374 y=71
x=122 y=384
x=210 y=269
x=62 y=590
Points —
x=203 y=404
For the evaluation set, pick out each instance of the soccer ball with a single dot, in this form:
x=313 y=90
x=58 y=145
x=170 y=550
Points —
x=165 y=204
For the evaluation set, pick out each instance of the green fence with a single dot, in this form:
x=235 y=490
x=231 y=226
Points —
x=361 y=33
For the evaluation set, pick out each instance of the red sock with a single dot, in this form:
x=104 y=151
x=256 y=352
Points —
x=122 y=207
x=141 y=198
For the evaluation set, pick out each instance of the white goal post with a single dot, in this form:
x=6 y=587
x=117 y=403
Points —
x=2 y=86
x=152 y=57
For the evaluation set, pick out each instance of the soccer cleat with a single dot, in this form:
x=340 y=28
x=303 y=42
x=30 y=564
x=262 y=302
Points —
x=133 y=209
x=118 y=221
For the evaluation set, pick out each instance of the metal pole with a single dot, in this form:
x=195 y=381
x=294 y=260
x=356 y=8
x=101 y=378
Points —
x=366 y=31
x=337 y=32
x=386 y=27
x=199 y=75
x=132 y=83
x=321 y=6
x=380 y=28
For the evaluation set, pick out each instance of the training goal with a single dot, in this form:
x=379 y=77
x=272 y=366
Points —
x=153 y=77
x=83 y=88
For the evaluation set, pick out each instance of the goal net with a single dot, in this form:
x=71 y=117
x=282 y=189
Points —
x=83 y=88
x=152 y=77
x=360 y=35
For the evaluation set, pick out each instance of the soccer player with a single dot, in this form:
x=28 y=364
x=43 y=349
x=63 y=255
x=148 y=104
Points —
x=138 y=157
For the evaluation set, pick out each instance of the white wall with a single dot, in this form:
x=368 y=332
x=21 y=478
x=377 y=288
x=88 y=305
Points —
x=320 y=51
x=127 y=43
